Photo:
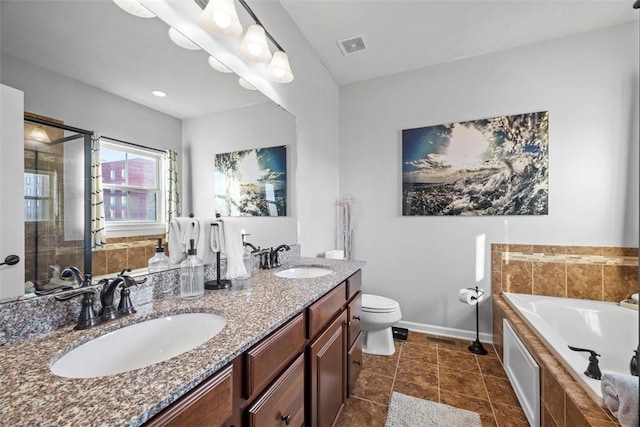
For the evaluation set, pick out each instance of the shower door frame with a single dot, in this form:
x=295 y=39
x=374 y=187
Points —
x=87 y=181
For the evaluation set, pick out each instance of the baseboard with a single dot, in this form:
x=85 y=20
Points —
x=443 y=331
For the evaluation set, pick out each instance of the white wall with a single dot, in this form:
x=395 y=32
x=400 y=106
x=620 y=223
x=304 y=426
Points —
x=312 y=97
x=86 y=107
x=257 y=126
x=12 y=200
x=589 y=85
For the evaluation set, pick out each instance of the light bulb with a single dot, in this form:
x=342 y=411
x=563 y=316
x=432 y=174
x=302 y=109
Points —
x=279 y=70
x=39 y=134
x=254 y=45
x=222 y=20
x=220 y=16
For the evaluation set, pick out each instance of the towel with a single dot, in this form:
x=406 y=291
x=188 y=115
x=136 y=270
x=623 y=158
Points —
x=233 y=249
x=205 y=247
x=620 y=395
x=181 y=230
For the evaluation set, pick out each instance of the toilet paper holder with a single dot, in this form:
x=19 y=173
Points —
x=476 y=347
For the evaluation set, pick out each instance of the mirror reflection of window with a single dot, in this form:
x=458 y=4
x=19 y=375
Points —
x=134 y=184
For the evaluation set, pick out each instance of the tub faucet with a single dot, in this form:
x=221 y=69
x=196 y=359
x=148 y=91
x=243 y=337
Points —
x=593 y=370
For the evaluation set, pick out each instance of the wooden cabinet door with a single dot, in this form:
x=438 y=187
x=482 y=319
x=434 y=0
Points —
x=327 y=379
x=209 y=404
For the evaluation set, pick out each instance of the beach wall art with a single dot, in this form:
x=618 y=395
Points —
x=252 y=182
x=495 y=166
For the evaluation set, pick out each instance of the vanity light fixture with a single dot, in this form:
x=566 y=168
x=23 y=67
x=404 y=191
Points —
x=254 y=45
x=219 y=66
x=181 y=40
x=245 y=84
x=279 y=70
x=159 y=93
x=135 y=8
x=220 y=16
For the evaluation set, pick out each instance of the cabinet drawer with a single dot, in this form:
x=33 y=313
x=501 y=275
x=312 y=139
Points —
x=265 y=361
x=354 y=364
x=353 y=322
x=325 y=309
x=282 y=403
x=354 y=283
x=209 y=404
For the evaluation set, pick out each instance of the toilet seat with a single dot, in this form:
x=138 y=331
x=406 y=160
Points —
x=378 y=304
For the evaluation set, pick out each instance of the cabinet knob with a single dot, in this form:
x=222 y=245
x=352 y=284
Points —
x=286 y=419
x=356 y=317
x=357 y=362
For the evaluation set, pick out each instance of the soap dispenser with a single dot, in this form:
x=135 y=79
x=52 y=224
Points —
x=191 y=275
x=158 y=262
x=247 y=257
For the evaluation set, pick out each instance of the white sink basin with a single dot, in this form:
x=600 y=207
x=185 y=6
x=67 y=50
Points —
x=303 y=272
x=139 y=345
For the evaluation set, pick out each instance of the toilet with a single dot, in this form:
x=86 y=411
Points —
x=378 y=315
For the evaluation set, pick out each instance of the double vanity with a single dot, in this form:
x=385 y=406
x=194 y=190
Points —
x=283 y=348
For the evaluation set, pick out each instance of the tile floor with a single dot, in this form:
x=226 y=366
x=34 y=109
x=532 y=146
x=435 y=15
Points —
x=441 y=372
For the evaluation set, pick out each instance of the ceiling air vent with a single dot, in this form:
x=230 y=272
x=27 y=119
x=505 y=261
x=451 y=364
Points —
x=353 y=45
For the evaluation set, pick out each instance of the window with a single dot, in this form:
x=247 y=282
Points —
x=133 y=191
x=37 y=190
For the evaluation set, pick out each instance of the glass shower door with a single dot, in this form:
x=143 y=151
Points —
x=55 y=202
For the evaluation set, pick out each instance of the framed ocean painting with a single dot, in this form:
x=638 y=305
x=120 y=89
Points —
x=495 y=166
x=252 y=182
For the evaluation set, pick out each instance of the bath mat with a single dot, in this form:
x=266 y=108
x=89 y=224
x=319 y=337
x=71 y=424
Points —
x=408 y=411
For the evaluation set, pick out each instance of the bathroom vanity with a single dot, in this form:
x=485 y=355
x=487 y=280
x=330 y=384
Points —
x=289 y=354
x=299 y=375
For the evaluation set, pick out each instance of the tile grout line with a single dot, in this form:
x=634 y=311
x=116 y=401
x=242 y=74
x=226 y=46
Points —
x=486 y=389
x=395 y=373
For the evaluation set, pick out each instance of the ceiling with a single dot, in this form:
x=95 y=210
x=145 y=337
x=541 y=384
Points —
x=405 y=35
x=99 y=44
x=96 y=42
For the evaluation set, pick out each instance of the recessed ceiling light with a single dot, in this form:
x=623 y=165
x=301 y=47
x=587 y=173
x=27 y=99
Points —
x=159 y=93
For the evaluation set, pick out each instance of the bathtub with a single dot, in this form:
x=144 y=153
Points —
x=604 y=327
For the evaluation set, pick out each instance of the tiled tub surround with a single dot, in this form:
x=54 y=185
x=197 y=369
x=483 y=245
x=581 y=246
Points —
x=586 y=272
x=133 y=252
x=32 y=395
x=598 y=273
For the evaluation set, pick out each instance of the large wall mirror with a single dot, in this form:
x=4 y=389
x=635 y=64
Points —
x=93 y=66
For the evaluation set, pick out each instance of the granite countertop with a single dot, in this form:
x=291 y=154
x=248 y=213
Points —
x=32 y=395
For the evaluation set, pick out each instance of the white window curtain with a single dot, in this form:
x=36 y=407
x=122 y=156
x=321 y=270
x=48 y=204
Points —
x=98 y=232
x=173 y=195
